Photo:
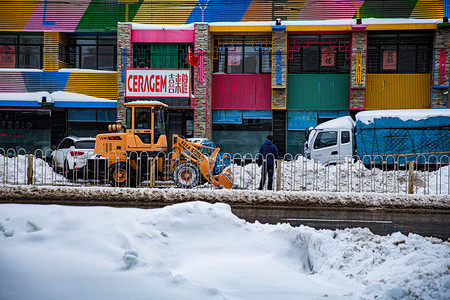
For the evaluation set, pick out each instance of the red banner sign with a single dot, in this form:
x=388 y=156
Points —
x=327 y=57
x=389 y=60
x=7 y=56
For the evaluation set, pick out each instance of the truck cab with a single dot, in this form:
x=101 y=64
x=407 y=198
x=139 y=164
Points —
x=332 y=141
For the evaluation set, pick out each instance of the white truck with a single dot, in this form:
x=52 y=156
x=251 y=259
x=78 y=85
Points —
x=389 y=136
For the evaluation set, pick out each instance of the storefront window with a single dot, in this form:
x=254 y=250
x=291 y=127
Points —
x=295 y=142
x=241 y=132
x=93 y=52
x=242 y=55
x=319 y=54
x=399 y=53
x=21 y=51
x=89 y=122
x=241 y=142
x=25 y=129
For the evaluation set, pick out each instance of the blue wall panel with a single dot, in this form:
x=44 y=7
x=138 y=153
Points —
x=45 y=81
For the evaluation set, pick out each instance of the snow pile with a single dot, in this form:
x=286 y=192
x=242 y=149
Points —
x=368 y=116
x=53 y=97
x=197 y=250
x=304 y=174
x=298 y=175
x=13 y=170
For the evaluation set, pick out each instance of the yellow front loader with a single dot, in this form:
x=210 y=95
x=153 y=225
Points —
x=126 y=154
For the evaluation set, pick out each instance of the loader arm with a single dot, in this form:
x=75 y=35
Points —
x=205 y=163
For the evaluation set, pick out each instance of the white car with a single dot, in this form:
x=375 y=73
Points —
x=72 y=155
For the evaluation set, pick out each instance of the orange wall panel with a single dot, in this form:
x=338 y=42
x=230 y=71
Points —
x=398 y=91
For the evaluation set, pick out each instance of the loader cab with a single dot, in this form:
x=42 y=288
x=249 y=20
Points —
x=146 y=127
x=332 y=141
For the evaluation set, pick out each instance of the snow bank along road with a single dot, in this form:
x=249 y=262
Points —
x=202 y=251
x=145 y=197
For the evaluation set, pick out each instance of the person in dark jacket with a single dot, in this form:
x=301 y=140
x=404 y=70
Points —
x=268 y=152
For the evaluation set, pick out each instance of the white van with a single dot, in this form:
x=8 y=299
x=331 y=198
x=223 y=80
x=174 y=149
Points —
x=331 y=141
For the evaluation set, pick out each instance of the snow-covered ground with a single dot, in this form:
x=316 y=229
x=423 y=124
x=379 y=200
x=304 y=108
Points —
x=300 y=174
x=197 y=250
x=304 y=174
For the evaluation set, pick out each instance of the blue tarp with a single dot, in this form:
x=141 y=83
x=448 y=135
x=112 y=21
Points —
x=409 y=138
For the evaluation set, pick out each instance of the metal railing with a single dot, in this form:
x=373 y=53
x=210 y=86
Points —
x=426 y=175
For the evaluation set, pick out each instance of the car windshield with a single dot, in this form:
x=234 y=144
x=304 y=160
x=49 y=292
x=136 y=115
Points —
x=85 y=145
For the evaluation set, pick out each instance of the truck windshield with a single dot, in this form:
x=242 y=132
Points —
x=160 y=126
x=325 y=139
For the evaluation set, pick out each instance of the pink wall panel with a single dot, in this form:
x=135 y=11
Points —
x=12 y=82
x=242 y=91
x=324 y=10
x=162 y=36
x=57 y=15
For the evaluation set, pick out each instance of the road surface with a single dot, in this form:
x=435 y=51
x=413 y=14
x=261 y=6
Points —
x=425 y=223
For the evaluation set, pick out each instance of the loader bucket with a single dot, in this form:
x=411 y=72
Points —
x=224 y=179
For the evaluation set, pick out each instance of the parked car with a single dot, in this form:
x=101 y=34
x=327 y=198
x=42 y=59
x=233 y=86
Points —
x=72 y=154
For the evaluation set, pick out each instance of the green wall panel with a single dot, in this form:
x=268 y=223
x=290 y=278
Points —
x=387 y=8
x=103 y=15
x=318 y=91
x=160 y=56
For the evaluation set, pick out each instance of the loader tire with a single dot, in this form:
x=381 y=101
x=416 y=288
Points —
x=186 y=175
x=121 y=175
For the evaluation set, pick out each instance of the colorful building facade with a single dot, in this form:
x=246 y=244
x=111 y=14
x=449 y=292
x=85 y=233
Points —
x=263 y=67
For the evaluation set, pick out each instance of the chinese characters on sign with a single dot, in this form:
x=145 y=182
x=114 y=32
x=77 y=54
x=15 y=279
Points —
x=7 y=57
x=389 y=60
x=327 y=57
x=171 y=83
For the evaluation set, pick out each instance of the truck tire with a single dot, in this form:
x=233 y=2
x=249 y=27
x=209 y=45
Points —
x=186 y=175
x=121 y=175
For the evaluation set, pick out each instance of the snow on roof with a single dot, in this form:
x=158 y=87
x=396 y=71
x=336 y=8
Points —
x=84 y=71
x=146 y=102
x=20 y=70
x=342 y=122
x=368 y=116
x=139 y=26
x=366 y=21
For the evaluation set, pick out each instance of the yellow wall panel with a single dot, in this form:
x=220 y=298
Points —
x=14 y=14
x=428 y=9
x=263 y=10
x=51 y=51
x=52 y=42
x=398 y=91
x=101 y=85
x=164 y=12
